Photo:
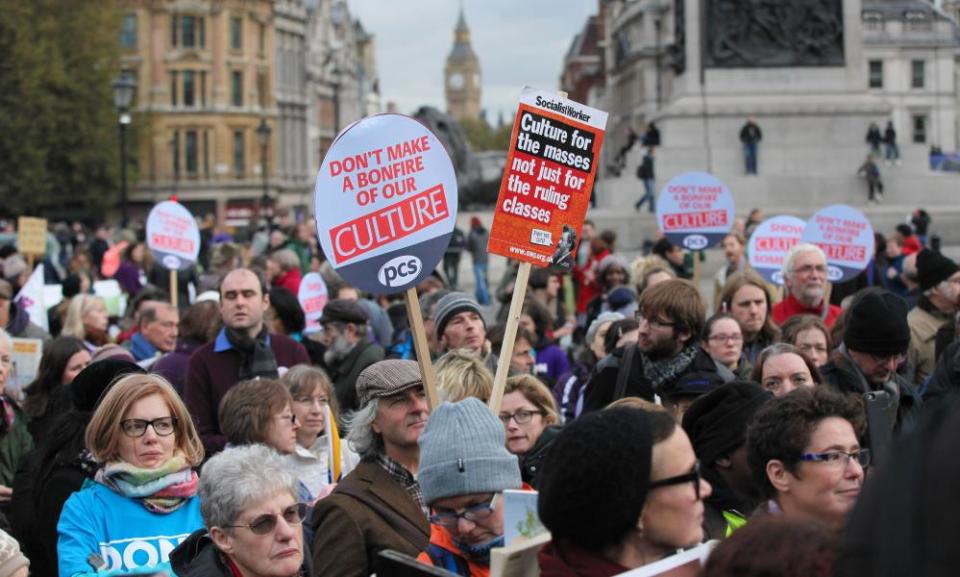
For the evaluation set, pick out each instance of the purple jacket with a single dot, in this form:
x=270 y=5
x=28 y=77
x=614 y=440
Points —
x=173 y=365
x=128 y=275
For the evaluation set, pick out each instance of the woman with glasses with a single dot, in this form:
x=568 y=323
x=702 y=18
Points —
x=621 y=489
x=252 y=519
x=144 y=500
x=723 y=341
x=528 y=412
x=782 y=368
x=318 y=437
x=809 y=334
x=805 y=455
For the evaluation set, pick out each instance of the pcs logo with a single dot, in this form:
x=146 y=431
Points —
x=399 y=271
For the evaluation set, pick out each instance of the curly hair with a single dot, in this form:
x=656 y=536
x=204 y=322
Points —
x=782 y=428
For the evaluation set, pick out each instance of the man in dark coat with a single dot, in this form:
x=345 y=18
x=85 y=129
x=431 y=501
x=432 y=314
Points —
x=349 y=349
x=666 y=358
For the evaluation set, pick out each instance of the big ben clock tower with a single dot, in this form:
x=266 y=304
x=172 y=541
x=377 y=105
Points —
x=462 y=75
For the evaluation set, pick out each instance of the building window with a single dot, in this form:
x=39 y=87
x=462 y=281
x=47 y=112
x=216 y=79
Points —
x=919 y=123
x=128 y=31
x=918 y=21
x=239 y=154
x=876 y=74
x=873 y=21
x=236 y=88
x=174 y=29
x=189 y=31
x=189 y=88
x=203 y=89
x=262 y=89
x=206 y=153
x=236 y=33
x=173 y=88
x=262 y=38
x=917 y=74
x=175 y=144
x=191 y=152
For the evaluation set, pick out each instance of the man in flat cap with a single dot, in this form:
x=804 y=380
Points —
x=379 y=505
x=349 y=349
x=939 y=279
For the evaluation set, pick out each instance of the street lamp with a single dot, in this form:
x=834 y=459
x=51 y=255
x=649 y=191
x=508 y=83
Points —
x=123 y=89
x=263 y=136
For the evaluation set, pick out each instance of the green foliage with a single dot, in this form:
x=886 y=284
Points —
x=59 y=142
x=483 y=137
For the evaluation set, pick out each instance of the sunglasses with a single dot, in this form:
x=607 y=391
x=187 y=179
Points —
x=691 y=477
x=267 y=523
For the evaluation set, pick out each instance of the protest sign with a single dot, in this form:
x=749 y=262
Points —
x=546 y=185
x=846 y=237
x=770 y=243
x=32 y=235
x=544 y=193
x=174 y=238
x=684 y=564
x=313 y=297
x=25 y=358
x=518 y=559
x=52 y=295
x=520 y=517
x=31 y=297
x=695 y=210
x=386 y=203
x=113 y=296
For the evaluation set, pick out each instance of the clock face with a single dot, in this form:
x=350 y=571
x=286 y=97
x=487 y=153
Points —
x=456 y=81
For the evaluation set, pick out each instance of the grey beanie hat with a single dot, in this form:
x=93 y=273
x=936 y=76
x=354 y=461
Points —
x=451 y=305
x=463 y=451
x=602 y=318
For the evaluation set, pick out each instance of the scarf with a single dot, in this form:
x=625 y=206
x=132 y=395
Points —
x=141 y=348
x=256 y=356
x=660 y=371
x=161 y=490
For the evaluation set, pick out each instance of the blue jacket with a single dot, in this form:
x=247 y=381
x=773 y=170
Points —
x=127 y=536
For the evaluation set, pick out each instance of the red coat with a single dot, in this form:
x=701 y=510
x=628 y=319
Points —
x=585 y=277
x=791 y=307
x=572 y=561
x=289 y=280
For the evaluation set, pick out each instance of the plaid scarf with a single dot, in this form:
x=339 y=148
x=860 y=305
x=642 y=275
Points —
x=257 y=358
x=405 y=479
x=161 y=490
x=662 y=370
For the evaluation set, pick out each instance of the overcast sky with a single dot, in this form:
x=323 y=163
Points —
x=518 y=43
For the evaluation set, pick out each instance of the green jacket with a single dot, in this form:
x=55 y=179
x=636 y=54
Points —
x=14 y=445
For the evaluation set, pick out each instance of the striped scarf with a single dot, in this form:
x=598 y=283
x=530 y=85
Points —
x=161 y=490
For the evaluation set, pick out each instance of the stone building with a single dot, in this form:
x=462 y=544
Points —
x=462 y=75
x=293 y=174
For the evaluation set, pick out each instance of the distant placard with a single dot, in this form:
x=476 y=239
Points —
x=846 y=237
x=695 y=210
x=173 y=236
x=770 y=243
x=32 y=235
x=25 y=356
x=312 y=297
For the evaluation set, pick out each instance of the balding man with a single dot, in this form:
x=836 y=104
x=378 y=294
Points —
x=243 y=350
x=158 y=327
x=805 y=277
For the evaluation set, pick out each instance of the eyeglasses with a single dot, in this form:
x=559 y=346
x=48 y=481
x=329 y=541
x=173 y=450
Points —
x=839 y=458
x=310 y=401
x=267 y=523
x=291 y=417
x=472 y=513
x=691 y=477
x=164 y=426
x=654 y=323
x=810 y=268
x=885 y=360
x=522 y=417
x=727 y=338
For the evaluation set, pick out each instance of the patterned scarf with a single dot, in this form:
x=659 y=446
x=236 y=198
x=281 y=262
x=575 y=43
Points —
x=662 y=370
x=257 y=358
x=161 y=490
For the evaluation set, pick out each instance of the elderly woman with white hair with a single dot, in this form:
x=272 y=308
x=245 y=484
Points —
x=253 y=521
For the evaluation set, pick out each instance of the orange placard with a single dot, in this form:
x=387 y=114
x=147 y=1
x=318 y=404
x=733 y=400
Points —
x=545 y=191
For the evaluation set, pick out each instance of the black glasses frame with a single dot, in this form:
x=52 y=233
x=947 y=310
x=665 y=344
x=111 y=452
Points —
x=145 y=423
x=691 y=477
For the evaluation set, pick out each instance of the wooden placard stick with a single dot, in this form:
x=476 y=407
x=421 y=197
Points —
x=422 y=347
x=173 y=287
x=509 y=336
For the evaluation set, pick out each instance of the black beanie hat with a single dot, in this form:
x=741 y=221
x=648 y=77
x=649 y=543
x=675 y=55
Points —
x=877 y=324
x=933 y=268
x=717 y=422
x=595 y=477
x=92 y=382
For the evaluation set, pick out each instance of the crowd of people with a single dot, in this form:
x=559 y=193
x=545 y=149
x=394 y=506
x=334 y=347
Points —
x=806 y=428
